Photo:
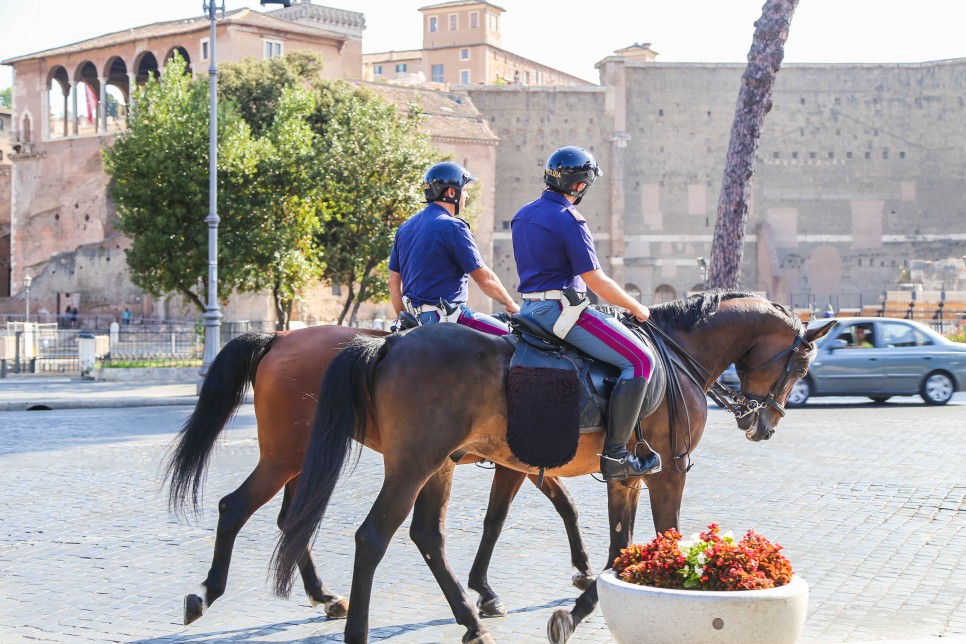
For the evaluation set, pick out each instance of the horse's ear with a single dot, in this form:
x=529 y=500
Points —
x=814 y=334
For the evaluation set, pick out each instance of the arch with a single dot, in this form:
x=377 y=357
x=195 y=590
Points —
x=633 y=291
x=26 y=133
x=183 y=53
x=118 y=94
x=664 y=293
x=85 y=99
x=145 y=67
x=57 y=102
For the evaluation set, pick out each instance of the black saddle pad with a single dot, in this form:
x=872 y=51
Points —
x=543 y=425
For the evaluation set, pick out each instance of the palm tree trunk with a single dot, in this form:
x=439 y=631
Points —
x=754 y=102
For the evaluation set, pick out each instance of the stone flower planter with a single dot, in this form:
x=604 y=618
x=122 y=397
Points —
x=643 y=613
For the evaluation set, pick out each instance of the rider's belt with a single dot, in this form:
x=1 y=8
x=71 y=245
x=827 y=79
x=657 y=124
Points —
x=545 y=295
x=426 y=308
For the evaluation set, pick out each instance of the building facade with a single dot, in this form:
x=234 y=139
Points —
x=859 y=179
x=462 y=46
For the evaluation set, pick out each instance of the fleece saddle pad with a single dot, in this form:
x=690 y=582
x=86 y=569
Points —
x=554 y=393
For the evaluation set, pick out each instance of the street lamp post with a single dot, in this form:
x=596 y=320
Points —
x=27 y=281
x=212 y=315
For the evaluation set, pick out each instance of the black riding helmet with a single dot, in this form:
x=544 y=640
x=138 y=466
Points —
x=442 y=176
x=569 y=166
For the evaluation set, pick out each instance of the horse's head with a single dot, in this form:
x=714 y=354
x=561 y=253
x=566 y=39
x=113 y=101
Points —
x=768 y=370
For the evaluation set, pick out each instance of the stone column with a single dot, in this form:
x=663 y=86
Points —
x=102 y=106
x=73 y=100
x=66 y=97
x=45 y=114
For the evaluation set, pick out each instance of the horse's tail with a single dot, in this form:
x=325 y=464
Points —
x=341 y=414
x=220 y=396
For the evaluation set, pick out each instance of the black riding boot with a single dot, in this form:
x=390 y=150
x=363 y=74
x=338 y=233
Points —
x=616 y=463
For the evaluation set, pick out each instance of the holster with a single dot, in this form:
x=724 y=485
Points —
x=448 y=312
x=573 y=305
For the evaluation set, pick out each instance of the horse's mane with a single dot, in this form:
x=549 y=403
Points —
x=693 y=311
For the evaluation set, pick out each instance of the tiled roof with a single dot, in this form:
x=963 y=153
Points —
x=460 y=3
x=449 y=115
x=239 y=16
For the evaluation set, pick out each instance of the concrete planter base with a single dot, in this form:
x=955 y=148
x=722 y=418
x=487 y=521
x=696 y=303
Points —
x=642 y=613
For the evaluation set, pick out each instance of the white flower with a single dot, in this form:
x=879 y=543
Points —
x=699 y=571
x=702 y=558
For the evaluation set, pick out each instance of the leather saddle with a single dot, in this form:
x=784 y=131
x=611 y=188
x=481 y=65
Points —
x=535 y=348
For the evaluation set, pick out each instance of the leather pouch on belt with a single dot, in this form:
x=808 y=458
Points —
x=448 y=312
x=573 y=305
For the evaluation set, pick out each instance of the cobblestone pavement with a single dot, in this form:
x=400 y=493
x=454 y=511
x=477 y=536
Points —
x=869 y=502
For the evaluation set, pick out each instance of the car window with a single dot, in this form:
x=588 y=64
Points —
x=858 y=336
x=897 y=334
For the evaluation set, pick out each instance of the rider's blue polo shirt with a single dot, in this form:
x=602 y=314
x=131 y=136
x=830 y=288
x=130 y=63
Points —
x=552 y=245
x=434 y=252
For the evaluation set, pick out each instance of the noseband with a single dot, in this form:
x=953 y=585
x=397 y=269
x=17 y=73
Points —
x=741 y=404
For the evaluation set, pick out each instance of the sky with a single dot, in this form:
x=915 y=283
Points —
x=564 y=34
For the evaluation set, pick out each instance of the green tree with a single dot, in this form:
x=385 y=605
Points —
x=285 y=257
x=6 y=97
x=754 y=102
x=256 y=86
x=159 y=182
x=371 y=181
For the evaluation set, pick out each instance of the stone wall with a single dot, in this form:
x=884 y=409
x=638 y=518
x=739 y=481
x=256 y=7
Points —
x=860 y=171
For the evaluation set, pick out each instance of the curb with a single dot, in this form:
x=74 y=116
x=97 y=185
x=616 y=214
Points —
x=42 y=404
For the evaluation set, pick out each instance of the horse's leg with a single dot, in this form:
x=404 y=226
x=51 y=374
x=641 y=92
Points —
x=396 y=498
x=426 y=531
x=506 y=484
x=621 y=503
x=234 y=511
x=559 y=495
x=335 y=606
x=666 y=491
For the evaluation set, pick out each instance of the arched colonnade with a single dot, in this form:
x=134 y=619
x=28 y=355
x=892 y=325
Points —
x=106 y=92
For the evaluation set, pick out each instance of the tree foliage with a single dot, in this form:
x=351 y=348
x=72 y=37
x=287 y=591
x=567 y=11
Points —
x=6 y=97
x=375 y=159
x=314 y=177
x=159 y=182
x=754 y=102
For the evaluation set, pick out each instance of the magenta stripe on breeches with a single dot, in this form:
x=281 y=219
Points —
x=481 y=325
x=614 y=340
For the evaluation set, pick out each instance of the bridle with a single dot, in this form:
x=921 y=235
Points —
x=741 y=404
x=737 y=402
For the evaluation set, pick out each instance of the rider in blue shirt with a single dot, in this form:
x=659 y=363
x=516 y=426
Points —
x=554 y=251
x=434 y=253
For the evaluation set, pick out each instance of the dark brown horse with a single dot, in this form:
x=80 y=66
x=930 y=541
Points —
x=418 y=396
x=285 y=370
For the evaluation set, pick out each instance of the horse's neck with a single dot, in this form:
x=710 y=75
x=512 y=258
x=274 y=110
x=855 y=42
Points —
x=722 y=340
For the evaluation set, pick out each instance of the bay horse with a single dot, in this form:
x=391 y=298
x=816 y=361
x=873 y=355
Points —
x=285 y=370
x=417 y=397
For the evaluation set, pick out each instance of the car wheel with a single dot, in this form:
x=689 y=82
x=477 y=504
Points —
x=879 y=400
x=800 y=393
x=937 y=388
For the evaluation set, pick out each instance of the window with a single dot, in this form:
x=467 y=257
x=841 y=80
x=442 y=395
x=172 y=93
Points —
x=377 y=70
x=437 y=74
x=433 y=23
x=464 y=77
x=400 y=68
x=474 y=20
x=454 y=21
x=273 y=48
x=205 y=51
x=464 y=53
x=492 y=21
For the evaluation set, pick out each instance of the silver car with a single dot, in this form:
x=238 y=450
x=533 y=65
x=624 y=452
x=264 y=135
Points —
x=883 y=357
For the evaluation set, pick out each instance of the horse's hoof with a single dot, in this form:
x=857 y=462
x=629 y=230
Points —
x=337 y=608
x=583 y=580
x=560 y=627
x=194 y=607
x=482 y=637
x=491 y=607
